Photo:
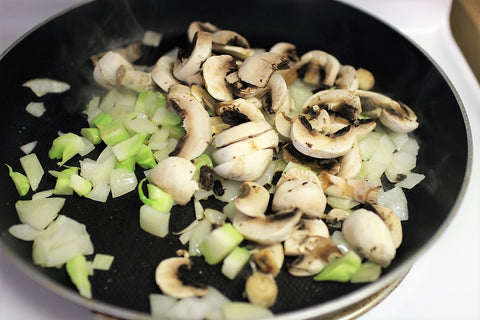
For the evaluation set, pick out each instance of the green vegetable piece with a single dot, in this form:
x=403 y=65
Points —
x=149 y=102
x=127 y=164
x=92 y=134
x=158 y=199
x=20 y=180
x=65 y=147
x=80 y=185
x=78 y=272
x=175 y=131
x=102 y=120
x=235 y=261
x=341 y=269
x=202 y=160
x=368 y=272
x=219 y=243
x=62 y=185
x=145 y=158
x=114 y=133
x=165 y=117
x=128 y=148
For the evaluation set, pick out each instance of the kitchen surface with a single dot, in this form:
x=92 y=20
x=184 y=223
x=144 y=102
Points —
x=443 y=284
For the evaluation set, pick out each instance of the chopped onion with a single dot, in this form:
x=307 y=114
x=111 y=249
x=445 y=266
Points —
x=39 y=213
x=33 y=169
x=214 y=216
x=36 y=109
x=151 y=38
x=199 y=233
x=411 y=180
x=28 y=147
x=24 y=232
x=42 y=86
x=99 y=192
x=338 y=238
x=122 y=181
x=160 y=304
x=191 y=308
x=42 y=194
x=154 y=221
x=396 y=200
x=198 y=208
x=102 y=261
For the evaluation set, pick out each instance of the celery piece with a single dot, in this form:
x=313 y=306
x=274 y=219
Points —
x=149 y=102
x=102 y=261
x=144 y=157
x=65 y=147
x=62 y=185
x=341 y=269
x=128 y=164
x=114 y=133
x=154 y=221
x=165 y=117
x=21 y=181
x=235 y=261
x=369 y=271
x=219 y=243
x=128 y=148
x=158 y=199
x=92 y=134
x=174 y=131
x=102 y=120
x=33 y=169
x=80 y=185
x=78 y=272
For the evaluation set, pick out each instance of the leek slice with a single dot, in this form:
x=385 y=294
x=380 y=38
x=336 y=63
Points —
x=62 y=186
x=154 y=221
x=234 y=262
x=341 y=269
x=158 y=199
x=92 y=134
x=66 y=147
x=80 y=185
x=78 y=272
x=21 y=181
x=219 y=243
x=128 y=148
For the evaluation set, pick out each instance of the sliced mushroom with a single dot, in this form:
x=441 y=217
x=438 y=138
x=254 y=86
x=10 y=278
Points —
x=369 y=235
x=241 y=132
x=187 y=67
x=392 y=221
x=215 y=69
x=304 y=238
x=229 y=37
x=298 y=173
x=162 y=73
x=347 y=78
x=351 y=162
x=252 y=200
x=167 y=277
x=234 y=51
x=283 y=124
x=286 y=49
x=291 y=154
x=130 y=52
x=202 y=96
x=315 y=144
x=134 y=79
x=269 y=259
x=302 y=194
x=342 y=102
x=235 y=112
x=321 y=252
x=277 y=99
x=363 y=127
x=392 y=114
x=335 y=215
x=257 y=69
x=261 y=289
x=196 y=122
x=316 y=63
x=247 y=167
x=358 y=190
x=105 y=71
x=196 y=26
x=183 y=186
x=273 y=229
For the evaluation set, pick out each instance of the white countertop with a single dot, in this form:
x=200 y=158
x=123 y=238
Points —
x=443 y=284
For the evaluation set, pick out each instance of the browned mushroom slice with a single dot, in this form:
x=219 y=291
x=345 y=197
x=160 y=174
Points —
x=257 y=69
x=358 y=190
x=351 y=162
x=392 y=221
x=269 y=258
x=235 y=112
x=252 y=200
x=231 y=38
x=347 y=78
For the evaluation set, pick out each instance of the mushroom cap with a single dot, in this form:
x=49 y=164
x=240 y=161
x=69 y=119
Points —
x=196 y=122
x=347 y=78
x=167 y=279
x=229 y=37
x=319 y=63
x=238 y=111
x=105 y=71
x=241 y=132
x=278 y=98
x=134 y=79
x=315 y=144
x=174 y=176
x=214 y=70
x=345 y=103
x=304 y=239
x=252 y=200
x=286 y=49
x=351 y=162
x=162 y=72
x=365 y=231
x=283 y=124
x=246 y=167
x=185 y=68
x=272 y=229
x=257 y=69
x=303 y=194
x=196 y=26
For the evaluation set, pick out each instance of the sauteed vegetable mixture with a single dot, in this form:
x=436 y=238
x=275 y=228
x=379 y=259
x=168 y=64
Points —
x=309 y=161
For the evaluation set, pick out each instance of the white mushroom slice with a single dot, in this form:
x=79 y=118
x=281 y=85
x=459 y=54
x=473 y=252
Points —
x=302 y=194
x=299 y=173
x=202 y=96
x=392 y=114
x=162 y=73
x=185 y=68
x=238 y=111
x=196 y=122
x=342 y=102
x=196 y=26
x=392 y=221
x=274 y=228
x=347 y=78
x=168 y=280
x=105 y=71
x=358 y=190
x=252 y=200
x=215 y=69
x=229 y=37
x=134 y=79
x=261 y=289
x=257 y=69
x=248 y=167
x=304 y=239
x=174 y=176
x=278 y=98
x=283 y=124
x=369 y=235
x=317 y=145
x=241 y=131
x=286 y=49
x=266 y=140
x=316 y=60
x=234 y=51
x=351 y=162
x=269 y=259
x=363 y=127
x=335 y=215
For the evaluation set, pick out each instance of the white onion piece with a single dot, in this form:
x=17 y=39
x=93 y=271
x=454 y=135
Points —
x=92 y=109
x=154 y=221
x=191 y=308
x=87 y=147
x=399 y=138
x=411 y=180
x=160 y=303
x=42 y=194
x=151 y=38
x=338 y=238
x=122 y=181
x=410 y=146
x=141 y=125
x=214 y=216
x=39 y=213
x=102 y=261
x=24 y=232
x=42 y=86
x=199 y=233
x=33 y=169
x=198 y=208
x=369 y=144
x=28 y=147
x=396 y=200
x=229 y=210
x=231 y=190
x=36 y=109
x=99 y=192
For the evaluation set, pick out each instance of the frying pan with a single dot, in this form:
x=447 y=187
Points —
x=61 y=48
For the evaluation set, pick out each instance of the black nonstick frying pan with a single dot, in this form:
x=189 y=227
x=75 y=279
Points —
x=61 y=48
